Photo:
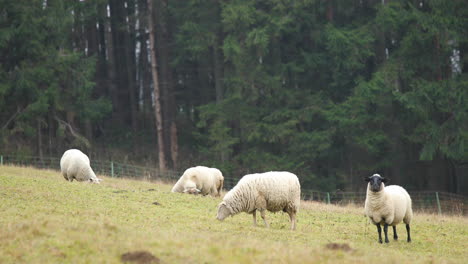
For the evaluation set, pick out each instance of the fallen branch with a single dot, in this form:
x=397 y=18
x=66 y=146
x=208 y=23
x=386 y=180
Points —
x=75 y=134
x=19 y=111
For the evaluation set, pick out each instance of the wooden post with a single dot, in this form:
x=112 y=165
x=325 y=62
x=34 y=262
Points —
x=438 y=203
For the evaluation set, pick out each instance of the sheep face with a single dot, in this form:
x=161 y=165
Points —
x=95 y=181
x=192 y=191
x=376 y=182
x=223 y=211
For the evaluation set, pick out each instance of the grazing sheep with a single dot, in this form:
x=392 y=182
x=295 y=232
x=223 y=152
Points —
x=273 y=191
x=387 y=206
x=74 y=164
x=200 y=179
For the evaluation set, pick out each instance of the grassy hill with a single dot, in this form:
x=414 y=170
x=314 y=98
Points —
x=45 y=219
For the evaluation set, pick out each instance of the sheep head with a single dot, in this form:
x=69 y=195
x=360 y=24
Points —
x=224 y=211
x=192 y=191
x=95 y=180
x=376 y=182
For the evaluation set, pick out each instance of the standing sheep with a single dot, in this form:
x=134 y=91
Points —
x=74 y=164
x=200 y=179
x=387 y=206
x=273 y=191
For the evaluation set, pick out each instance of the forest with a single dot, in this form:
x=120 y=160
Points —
x=332 y=90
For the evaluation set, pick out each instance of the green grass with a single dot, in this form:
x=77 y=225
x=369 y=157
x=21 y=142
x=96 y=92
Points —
x=45 y=219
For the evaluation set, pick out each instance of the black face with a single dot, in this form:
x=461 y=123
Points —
x=375 y=182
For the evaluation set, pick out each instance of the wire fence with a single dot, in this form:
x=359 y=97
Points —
x=423 y=201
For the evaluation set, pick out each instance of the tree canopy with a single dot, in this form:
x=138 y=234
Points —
x=330 y=90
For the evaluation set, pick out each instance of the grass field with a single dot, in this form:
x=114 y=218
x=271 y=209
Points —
x=45 y=219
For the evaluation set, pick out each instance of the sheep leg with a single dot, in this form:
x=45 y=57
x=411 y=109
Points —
x=408 y=231
x=395 y=236
x=379 y=230
x=254 y=213
x=216 y=192
x=292 y=216
x=262 y=212
x=385 y=229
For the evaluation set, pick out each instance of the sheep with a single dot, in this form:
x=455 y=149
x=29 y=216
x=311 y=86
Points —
x=387 y=206
x=75 y=165
x=273 y=191
x=202 y=180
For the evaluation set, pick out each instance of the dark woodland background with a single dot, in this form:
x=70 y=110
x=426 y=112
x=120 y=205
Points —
x=330 y=90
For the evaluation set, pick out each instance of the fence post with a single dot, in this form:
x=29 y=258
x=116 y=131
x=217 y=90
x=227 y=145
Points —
x=1 y=160
x=112 y=169
x=328 y=197
x=438 y=203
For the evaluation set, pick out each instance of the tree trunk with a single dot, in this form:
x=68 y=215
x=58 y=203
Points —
x=218 y=68
x=218 y=76
x=157 y=98
x=77 y=31
x=51 y=132
x=145 y=69
x=129 y=49
x=39 y=140
x=330 y=10
x=205 y=89
x=118 y=31
x=111 y=69
x=174 y=145
x=381 y=49
x=92 y=50
x=163 y=40
x=437 y=59
x=101 y=39
x=88 y=129
x=464 y=57
x=144 y=79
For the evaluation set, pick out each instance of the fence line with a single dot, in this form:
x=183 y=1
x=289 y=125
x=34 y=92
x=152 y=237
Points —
x=426 y=201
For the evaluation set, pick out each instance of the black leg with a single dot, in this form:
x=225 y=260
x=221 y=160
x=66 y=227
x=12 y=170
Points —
x=408 y=231
x=395 y=236
x=379 y=229
x=385 y=229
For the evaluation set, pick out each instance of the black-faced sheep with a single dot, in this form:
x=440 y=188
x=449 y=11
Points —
x=387 y=206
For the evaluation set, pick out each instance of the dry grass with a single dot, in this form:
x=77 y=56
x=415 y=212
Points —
x=45 y=219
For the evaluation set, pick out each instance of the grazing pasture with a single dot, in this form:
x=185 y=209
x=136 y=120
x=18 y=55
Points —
x=45 y=219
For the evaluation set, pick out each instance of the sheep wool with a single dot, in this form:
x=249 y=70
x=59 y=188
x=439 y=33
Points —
x=75 y=165
x=273 y=191
x=200 y=179
x=387 y=206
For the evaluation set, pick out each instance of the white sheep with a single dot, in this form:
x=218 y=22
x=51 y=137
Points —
x=273 y=191
x=387 y=206
x=200 y=179
x=75 y=165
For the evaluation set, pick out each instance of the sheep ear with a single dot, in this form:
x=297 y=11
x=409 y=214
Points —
x=367 y=179
x=385 y=180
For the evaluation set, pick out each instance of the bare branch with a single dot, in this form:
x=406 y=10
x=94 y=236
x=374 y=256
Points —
x=19 y=111
x=75 y=134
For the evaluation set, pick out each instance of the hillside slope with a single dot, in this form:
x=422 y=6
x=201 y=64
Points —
x=45 y=219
